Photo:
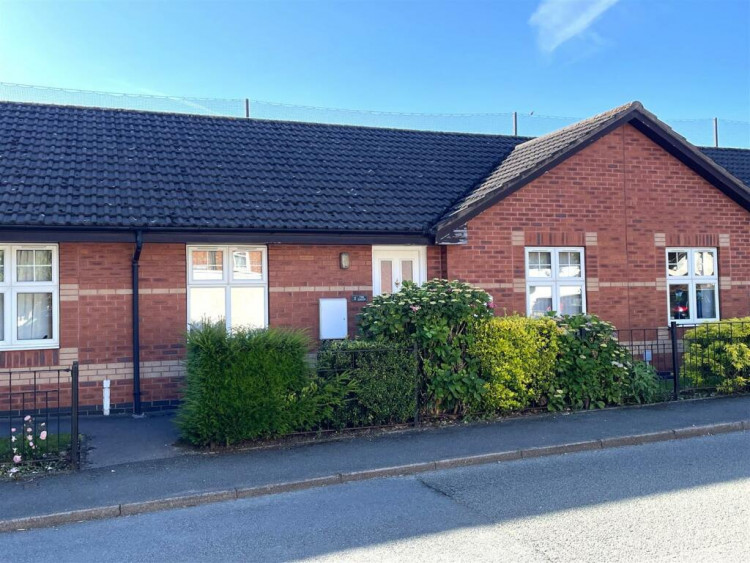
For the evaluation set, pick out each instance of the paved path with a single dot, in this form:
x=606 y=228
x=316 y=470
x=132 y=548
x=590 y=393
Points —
x=163 y=478
x=673 y=501
x=113 y=440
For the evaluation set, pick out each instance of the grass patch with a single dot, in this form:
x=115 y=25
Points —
x=51 y=447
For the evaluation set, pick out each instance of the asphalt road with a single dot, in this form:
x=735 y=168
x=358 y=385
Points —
x=686 y=500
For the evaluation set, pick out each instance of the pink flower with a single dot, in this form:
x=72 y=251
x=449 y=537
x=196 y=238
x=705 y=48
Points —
x=16 y=459
x=27 y=418
x=43 y=435
x=31 y=444
x=12 y=429
x=491 y=305
x=415 y=308
x=29 y=430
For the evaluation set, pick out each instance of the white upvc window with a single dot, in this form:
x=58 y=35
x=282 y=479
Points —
x=555 y=281
x=228 y=283
x=29 y=297
x=692 y=284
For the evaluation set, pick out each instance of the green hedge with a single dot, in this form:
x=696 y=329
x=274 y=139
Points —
x=248 y=384
x=255 y=384
x=381 y=379
x=718 y=355
x=570 y=362
x=517 y=357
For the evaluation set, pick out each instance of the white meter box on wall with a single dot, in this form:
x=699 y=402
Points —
x=333 y=318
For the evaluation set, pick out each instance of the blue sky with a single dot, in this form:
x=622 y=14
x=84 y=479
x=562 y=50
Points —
x=682 y=59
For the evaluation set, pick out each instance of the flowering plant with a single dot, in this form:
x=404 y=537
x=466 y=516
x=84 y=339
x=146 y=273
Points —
x=440 y=318
x=27 y=443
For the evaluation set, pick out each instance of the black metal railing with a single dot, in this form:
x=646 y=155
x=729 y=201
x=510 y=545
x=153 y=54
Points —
x=694 y=358
x=360 y=363
x=689 y=359
x=39 y=408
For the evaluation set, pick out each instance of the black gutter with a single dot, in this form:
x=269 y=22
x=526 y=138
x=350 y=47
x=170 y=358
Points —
x=35 y=233
x=136 y=327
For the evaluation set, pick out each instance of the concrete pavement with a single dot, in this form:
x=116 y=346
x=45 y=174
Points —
x=671 y=501
x=114 y=440
x=223 y=475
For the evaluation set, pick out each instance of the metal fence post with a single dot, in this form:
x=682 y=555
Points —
x=417 y=384
x=716 y=131
x=75 y=451
x=675 y=359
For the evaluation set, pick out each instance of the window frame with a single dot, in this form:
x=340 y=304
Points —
x=692 y=281
x=228 y=281
x=10 y=288
x=555 y=281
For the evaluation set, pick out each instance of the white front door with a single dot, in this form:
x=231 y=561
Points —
x=392 y=266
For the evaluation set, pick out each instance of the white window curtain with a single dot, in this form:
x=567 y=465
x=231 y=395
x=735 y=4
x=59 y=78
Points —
x=34 y=312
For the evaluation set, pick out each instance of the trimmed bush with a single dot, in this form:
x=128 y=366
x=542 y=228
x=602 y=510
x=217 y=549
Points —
x=517 y=356
x=380 y=378
x=718 y=355
x=441 y=318
x=248 y=384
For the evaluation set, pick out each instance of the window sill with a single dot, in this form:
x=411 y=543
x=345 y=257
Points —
x=24 y=347
x=693 y=322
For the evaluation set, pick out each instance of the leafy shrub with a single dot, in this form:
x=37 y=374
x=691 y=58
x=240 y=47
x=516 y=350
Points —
x=718 y=354
x=441 y=318
x=380 y=379
x=249 y=384
x=517 y=356
x=593 y=369
x=643 y=385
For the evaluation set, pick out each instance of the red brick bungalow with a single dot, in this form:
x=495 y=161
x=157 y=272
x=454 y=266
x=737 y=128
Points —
x=284 y=224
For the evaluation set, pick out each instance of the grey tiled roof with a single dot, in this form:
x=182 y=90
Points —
x=536 y=155
x=527 y=156
x=735 y=161
x=87 y=167
x=117 y=169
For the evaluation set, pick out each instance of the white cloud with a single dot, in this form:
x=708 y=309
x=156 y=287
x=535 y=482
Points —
x=559 y=20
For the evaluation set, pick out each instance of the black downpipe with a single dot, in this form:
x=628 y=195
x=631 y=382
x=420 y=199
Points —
x=136 y=328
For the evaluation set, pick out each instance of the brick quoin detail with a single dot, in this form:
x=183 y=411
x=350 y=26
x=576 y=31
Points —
x=626 y=189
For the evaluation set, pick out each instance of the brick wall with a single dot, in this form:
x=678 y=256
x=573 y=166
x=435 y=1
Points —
x=96 y=324
x=299 y=275
x=96 y=314
x=624 y=199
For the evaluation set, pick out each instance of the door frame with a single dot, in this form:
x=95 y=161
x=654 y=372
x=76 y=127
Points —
x=395 y=248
